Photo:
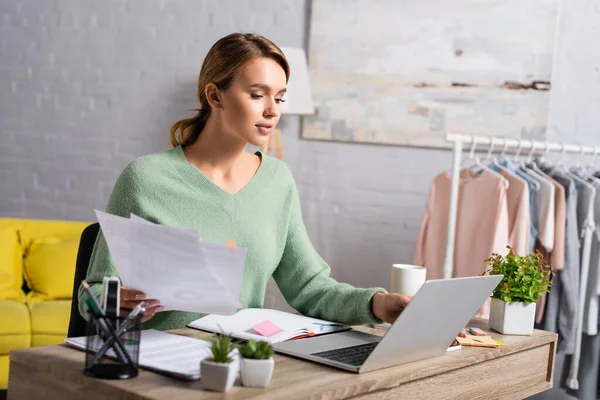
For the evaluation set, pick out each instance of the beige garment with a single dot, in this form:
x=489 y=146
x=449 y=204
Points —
x=544 y=201
x=556 y=259
x=519 y=219
x=481 y=224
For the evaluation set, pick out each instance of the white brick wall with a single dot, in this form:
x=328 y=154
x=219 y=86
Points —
x=86 y=86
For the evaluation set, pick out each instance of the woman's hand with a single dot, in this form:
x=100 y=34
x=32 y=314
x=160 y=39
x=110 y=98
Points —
x=131 y=298
x=388 y=307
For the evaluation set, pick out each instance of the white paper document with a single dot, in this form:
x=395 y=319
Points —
x=116 y=232
x=167 y=353
x=174 y=266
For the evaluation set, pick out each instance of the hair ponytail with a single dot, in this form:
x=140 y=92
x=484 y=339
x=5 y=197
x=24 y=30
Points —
x=223 y=61
x=187 y=131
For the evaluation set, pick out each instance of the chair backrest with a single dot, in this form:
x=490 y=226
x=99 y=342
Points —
x=84 y=253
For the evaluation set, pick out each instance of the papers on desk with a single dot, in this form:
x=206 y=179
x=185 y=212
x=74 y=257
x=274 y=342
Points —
x=173 y=265
x=162 y=352
x=267 y=325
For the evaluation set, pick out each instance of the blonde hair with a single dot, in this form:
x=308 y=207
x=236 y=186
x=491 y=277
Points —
x=223 y=61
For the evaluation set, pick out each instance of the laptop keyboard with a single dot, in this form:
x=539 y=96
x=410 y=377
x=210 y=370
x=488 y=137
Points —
x=354 y=355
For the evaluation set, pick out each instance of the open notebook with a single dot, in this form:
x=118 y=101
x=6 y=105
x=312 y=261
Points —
x=267 y=325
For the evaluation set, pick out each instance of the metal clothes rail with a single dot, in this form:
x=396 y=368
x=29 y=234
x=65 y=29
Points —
x=490 y=142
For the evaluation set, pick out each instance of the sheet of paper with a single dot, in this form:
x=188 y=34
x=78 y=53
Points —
x=116 y=231
x=175 y=355
x=173 y=265
x=179 y=231
x=184 y=273
x=188 y=231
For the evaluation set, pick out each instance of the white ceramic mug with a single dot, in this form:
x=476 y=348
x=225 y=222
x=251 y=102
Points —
x=407 y=279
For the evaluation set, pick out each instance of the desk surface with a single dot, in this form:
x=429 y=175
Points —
x=522 y=368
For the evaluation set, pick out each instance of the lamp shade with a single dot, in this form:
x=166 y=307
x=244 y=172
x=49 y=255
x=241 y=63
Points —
x=298 y=98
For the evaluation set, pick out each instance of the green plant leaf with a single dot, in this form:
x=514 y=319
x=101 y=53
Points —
x=526 y=277
x=221 y=347
x=256 y=350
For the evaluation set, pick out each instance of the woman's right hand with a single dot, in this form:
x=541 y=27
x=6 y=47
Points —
x=131 y=298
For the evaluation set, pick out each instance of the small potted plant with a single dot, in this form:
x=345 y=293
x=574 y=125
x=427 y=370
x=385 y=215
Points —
x=218 y=372
x=526 y=279
x=257 y=363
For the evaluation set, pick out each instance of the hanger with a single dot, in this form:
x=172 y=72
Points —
x=569 y=172
x=561 y=160
x=582 y=171
x=546 y=151
x=471 y=153
x=590 y=165
x=472 y=156
x=503 y=154
x=481 y=165
x=521 y=166
x=518 y=152
x=488 y=157
x=528 y=166
x=507 y=160
x=531 y=151
x=534 y=166
x=525 y=164
x=496 y=160
x=544 y=157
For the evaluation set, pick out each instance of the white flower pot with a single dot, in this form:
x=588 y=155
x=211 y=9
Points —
x=257 y=372
x=218 y=376
x=512 y=318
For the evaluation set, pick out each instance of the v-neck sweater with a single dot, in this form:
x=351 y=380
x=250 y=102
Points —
x=264 y=217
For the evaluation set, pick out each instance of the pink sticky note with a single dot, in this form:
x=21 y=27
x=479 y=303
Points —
x=267 y=328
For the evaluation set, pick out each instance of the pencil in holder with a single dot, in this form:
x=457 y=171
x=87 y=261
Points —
x=112 y=347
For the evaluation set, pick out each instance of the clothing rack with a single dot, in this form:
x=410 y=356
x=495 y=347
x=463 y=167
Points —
x=489 y=142
x=532 y=146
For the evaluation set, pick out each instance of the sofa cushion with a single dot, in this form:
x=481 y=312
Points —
x=4 y=372
x=11 y=273
x=49 y=322
x=50 y=267
x=15 y=326
x=33 y=229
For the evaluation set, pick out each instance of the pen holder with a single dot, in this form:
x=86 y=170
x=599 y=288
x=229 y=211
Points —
x=105 y=357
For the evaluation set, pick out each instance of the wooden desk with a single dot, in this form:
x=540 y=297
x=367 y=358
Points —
x=522 y=368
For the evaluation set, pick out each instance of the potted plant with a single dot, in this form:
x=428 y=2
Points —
x=526 y=279
x=257 y=363
x=219 y=371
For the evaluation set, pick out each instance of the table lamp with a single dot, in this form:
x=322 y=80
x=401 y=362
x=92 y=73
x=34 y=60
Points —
x=298 y=98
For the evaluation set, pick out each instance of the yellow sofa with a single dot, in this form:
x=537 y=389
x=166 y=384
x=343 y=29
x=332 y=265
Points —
x=41 y=254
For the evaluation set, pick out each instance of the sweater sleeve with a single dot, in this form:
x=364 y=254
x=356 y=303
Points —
x=304 y=279
x=123 y=201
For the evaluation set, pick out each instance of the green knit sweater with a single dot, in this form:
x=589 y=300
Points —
x=264 y=217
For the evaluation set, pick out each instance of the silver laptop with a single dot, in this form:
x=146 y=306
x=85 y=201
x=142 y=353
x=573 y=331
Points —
x=426 y=327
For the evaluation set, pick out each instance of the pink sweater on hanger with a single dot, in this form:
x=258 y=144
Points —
x=519 y=220
x=481 y=224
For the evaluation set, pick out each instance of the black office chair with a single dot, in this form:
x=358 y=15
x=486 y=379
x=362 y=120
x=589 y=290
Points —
x=84 y=253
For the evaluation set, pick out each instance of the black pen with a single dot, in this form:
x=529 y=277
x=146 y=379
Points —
x=92 y=297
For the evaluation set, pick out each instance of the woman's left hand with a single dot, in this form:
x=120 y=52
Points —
x=388 y=307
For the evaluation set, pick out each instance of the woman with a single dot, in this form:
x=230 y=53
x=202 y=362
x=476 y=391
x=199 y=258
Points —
x=209 y=181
